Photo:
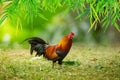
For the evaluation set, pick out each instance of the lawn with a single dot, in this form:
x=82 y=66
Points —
x=84 y=62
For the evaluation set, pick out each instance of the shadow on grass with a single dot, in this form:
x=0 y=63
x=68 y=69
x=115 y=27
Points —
x=71 y=63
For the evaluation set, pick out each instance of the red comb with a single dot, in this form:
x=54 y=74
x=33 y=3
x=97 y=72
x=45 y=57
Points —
x=72 y=33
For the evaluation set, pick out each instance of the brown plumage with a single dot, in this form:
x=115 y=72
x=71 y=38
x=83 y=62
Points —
x=56 y=52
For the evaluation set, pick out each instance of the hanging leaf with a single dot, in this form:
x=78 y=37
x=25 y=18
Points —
x=116 y=26
x=42 y=16
x=3 y=19
x=104 y=11
x=92 y=8
x=80 y=15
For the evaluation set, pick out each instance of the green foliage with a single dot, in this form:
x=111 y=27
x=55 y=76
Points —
x=105 y=12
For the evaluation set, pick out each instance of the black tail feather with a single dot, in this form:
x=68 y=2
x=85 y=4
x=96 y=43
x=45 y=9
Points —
x=31 y=50
x=35 y=40
x=37 y=44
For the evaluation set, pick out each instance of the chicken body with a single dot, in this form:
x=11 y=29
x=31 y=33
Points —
x=56 y=52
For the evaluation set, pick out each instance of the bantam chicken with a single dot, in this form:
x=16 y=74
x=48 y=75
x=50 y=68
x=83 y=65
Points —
x=52 y=52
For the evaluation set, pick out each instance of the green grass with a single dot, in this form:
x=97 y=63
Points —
x=84 y=62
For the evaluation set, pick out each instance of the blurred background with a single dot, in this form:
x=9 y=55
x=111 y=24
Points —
x=51 y=20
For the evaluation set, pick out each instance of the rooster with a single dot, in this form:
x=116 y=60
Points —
x=52 y=52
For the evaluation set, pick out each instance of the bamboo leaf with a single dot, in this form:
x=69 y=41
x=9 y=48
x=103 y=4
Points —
x=94 y=12
x=80 y=15
x=66 y=11
x=95 y=21
x=106 y=11
x=3 y=19
x=42 y=16
x=105 y=25
x=116 y=26
x=44 y=3
x=91 y=17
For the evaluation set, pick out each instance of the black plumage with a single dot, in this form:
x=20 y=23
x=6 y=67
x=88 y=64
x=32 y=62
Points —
x=37 y=44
